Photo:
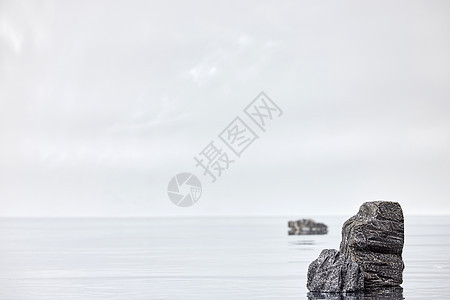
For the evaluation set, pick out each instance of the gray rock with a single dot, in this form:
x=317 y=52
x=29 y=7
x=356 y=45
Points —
x=332 y=272
x=306 y=227
x=370 y=254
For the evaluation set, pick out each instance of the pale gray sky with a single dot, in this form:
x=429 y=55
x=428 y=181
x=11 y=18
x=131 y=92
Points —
x=102 y=102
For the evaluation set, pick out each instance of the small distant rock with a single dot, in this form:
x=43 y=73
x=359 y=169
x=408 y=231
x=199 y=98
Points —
x=306 y=226
x=370 y=254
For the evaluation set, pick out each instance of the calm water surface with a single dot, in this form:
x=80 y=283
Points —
x=192 y=258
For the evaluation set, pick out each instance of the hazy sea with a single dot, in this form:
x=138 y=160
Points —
x=193 y=258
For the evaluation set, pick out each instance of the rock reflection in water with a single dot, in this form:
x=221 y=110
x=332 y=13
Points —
x=385 y=293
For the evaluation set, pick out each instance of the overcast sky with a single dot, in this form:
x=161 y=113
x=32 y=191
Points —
x=102 y=102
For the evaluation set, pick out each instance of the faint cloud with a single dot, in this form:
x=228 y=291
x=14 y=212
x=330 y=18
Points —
x=168 y=114
x=12 y=37
x=228 y=48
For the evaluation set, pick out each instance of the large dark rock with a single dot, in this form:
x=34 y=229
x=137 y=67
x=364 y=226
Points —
x=370 y=255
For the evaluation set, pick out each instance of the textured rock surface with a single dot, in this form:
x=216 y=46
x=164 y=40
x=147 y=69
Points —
x=370 y=254
x=332 y=272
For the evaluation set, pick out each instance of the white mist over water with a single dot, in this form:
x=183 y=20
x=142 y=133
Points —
x=102 y=102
